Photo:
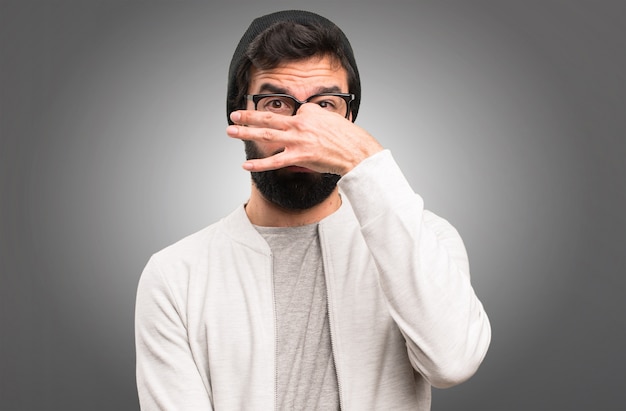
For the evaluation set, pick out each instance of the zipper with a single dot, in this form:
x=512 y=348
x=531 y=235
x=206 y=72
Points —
x=271 y=265
x=329 y=308
x=333 y=349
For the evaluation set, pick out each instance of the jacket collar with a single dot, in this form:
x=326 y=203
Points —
x=238 y=227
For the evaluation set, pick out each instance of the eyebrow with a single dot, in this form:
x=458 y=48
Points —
x=274 y=89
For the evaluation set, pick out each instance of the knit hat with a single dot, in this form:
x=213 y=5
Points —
x=262 y=23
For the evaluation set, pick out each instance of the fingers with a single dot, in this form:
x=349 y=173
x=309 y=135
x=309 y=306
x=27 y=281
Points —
x=255 y=134
x=273 y=162
x=265 y=128
x=257 y=126
x=255 y=118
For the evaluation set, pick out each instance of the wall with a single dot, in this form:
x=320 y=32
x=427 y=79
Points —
x=507 y=117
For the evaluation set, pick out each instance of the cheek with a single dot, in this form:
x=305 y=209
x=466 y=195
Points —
x=260 y=150
x=268 y=150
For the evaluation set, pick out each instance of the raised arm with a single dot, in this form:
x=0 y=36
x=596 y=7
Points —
x=424 y=273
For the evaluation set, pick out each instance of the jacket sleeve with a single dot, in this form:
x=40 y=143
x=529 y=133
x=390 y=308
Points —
x=423 y=272
x=167 y=376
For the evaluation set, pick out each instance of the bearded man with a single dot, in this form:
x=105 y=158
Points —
x=331 y=287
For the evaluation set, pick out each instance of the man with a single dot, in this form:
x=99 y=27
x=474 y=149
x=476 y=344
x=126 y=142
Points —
x=331 y=288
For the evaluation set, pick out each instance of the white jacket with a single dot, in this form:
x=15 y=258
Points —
x=402 y=311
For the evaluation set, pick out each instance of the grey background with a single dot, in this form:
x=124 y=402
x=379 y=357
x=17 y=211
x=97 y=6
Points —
x=508 y=117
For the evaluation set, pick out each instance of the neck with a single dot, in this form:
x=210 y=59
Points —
x=266 y=214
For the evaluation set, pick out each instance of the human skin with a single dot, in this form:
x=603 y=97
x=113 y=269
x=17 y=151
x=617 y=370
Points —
x=314 y=140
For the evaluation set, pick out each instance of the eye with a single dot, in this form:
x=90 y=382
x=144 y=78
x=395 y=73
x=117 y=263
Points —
x=332 y=103
x=328 y=105
x=276 y=104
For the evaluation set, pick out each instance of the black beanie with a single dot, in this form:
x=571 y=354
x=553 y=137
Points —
x=259 y=25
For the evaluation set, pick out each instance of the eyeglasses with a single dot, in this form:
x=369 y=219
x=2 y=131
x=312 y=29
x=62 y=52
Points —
x=288 y=105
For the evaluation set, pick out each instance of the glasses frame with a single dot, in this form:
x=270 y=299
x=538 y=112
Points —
x=348 y=98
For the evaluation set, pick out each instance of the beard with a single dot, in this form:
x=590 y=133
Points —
x=290 y=190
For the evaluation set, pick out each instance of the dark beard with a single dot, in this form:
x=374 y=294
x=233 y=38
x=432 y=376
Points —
x=293 y=191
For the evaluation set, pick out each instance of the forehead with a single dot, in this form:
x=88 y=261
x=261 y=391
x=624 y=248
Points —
x=302 y=76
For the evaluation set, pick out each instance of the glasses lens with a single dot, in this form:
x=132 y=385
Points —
x=277 y=104
x=336 y=104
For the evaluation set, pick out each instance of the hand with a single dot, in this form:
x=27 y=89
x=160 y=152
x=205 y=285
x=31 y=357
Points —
x=314 y=138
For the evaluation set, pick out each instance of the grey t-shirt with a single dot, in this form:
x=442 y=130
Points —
x=306 y=376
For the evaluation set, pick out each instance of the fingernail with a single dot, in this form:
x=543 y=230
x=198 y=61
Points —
x=247 y=166
x=232 y=130
x=235 y=116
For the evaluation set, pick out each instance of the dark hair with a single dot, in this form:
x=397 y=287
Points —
x=289 y=36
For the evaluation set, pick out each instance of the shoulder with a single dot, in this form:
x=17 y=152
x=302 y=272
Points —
x=207 y=245
x=171 y=267
x=188 y=247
